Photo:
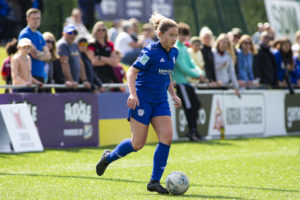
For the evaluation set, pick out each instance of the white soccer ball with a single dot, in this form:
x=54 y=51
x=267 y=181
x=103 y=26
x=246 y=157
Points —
x=177 y=183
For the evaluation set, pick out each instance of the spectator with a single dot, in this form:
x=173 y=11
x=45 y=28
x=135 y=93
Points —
x=52 y=66
x=147 y=35
x=4 y=10
x=296 y=45
x=101 y=53
x=196 y=54
x=135 y=28
x=206 y=37
x=113 y=32
x=246 y=51
x=39 y=51
x=284 y=62
x=91 y=76
x=11 y=49
x=76 y=20
x=256 y=35
x=234 y=36
x=295 y=74
x=71 y=64
x=185 y=67
x=88 y=11
x=128 y=47
x=224 y=58
x=21 y=67
x=264 y=64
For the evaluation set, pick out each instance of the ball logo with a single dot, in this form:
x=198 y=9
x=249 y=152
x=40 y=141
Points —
x=141 y=112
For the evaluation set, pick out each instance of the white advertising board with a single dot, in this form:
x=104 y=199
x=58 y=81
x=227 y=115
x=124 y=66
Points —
x=18 y=130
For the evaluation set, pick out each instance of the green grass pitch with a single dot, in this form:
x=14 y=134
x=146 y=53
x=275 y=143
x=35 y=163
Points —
x=260 y=168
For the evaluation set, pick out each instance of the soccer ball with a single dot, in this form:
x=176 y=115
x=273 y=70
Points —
x=177 y=183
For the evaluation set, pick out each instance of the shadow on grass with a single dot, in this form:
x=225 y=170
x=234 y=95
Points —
x=245 y=187
x=143 y=182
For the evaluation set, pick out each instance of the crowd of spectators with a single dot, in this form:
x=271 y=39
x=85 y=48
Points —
x=232 y=59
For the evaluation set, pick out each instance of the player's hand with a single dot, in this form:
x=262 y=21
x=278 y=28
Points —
x=177 y=101
x=132 y=101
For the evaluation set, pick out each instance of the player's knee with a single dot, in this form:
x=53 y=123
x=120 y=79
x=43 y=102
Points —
x=167 y=139
x=137 y=145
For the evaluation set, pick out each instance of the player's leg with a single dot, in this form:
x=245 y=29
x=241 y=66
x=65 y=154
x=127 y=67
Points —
x=163 y=128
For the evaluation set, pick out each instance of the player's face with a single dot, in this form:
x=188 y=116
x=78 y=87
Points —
x=169 y=37
x=34 y=20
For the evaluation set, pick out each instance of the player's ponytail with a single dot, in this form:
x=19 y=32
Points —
x=161 y=23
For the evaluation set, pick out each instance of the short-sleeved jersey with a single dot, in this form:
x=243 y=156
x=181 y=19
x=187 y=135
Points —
x=155 y=65
x=39 y=42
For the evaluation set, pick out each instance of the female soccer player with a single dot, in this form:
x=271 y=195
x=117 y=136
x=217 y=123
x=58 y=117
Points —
x=148 y=82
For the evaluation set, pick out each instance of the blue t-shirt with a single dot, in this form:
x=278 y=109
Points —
x=155 y=65
x=38 y=66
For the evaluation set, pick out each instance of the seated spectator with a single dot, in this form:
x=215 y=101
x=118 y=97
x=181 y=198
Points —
x=11 y=49
x=147 y=35
x=224 y=58
x=91 y=77
x=246 y=51
x=296 y=45
x=71 y=64
x=102 y=55
x=284 y=62
x=264 y=64
x=128 y=47
x=21 y=67
x=113 y=32
x=76 y=20
x=206 y=37
x=196 y=54
x=295 y=74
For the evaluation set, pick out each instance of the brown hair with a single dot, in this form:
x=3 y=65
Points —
x=286 y=57
x=32 y=11
x=183 y=29
x=243 y=39
x=11 y=47
x=161 y=23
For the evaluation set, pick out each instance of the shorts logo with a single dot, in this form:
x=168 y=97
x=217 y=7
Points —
x=141 y=112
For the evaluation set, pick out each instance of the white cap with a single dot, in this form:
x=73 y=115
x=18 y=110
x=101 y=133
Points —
x=24 y=42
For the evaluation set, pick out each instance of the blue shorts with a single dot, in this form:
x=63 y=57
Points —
x=146 y=111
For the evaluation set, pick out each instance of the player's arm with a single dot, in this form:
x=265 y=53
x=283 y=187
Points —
x=176 y=99
x=40 y=55
x=131 y=75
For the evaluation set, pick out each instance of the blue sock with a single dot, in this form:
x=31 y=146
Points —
x=160 y=158
x=121 y=150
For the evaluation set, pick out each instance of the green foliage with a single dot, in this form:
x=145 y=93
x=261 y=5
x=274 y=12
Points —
x=259 y=168
x=54 y=15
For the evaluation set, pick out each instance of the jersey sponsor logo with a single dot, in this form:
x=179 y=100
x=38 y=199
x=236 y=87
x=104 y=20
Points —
x=141 y=112
x=164 y=71
x=144 y=59
x=162 y=60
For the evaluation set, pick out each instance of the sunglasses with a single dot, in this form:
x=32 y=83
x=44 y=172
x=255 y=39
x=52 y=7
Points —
x=101 y=30
x=237 y=36
x=73 y=33
x=50 y=41
x=83 y=44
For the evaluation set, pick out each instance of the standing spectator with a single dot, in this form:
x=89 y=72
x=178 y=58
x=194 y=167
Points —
x=284 y=62
x=206 y=37
x=101 y=53
x=196 y=54
x=71 y=64
x=224 y=58
x=234 y=36
x=128 y=47
x=295 y=74
x=185 y=67
x=296 y=45
x=91 y=76
x=76 y=20
x=21 y=67
x=256 y=35
x=11 y=49
x=113 y=32
x=264 y=64
x=246 y=51
x=39 y=51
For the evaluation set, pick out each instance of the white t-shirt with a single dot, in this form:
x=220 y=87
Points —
x=122 y=43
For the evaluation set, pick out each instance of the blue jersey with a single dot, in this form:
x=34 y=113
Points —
x=155 y=65
x=37 y=39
